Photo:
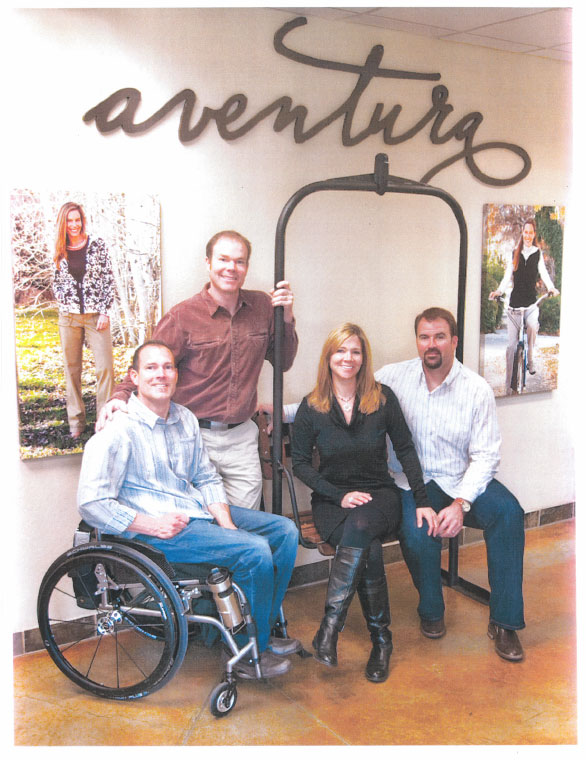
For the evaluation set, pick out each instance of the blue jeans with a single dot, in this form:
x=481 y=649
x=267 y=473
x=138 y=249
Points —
x=260 y=555
x=498 y=513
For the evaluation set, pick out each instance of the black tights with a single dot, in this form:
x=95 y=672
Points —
x=364 y=528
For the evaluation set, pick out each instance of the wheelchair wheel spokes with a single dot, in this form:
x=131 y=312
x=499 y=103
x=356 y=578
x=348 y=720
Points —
x=108 y=650
x=147 y=625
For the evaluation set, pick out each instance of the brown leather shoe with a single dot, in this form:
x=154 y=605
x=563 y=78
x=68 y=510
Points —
x=506 y=643
x=433 y=629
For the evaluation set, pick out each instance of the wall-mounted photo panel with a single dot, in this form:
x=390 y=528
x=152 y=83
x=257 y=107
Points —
x=520 y=298
x=87 y=291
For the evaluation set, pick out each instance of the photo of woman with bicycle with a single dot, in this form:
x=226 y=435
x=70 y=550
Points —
x=516 y=300
x=524 y=269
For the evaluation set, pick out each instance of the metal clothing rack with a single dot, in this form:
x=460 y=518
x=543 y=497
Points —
x=379 y=182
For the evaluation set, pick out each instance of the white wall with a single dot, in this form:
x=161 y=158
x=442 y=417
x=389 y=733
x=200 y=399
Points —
x=373 y=260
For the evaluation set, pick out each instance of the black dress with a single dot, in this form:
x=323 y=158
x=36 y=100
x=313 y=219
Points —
x=353 y=457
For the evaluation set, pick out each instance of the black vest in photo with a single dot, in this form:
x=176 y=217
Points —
x=525 y=281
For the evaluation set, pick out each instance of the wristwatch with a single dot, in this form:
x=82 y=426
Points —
x=463 y=503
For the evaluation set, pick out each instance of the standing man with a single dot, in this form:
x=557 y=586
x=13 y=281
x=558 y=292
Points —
x=451 y=413
x=220 y=338
x=147 y=475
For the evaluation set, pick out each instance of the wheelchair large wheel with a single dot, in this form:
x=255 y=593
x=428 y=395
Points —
x=112 y=650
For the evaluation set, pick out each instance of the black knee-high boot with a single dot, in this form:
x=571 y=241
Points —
x=344 y=577
x=374 y=599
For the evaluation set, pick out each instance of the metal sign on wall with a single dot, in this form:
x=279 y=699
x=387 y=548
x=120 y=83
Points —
x=124 y=104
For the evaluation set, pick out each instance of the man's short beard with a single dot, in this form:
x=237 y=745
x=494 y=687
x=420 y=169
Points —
x=435 y=363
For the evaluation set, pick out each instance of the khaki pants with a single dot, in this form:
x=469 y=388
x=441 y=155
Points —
x=234 y=454
x=73 y=328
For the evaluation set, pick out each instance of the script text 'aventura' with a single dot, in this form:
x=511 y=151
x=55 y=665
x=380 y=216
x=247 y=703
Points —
x=124 y=104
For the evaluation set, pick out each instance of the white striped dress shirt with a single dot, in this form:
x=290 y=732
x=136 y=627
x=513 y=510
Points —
x=143 y=463
x=454 y=427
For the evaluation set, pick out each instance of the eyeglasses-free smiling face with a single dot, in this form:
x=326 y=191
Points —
x=346 y=360
x=74 y=226
x=528 y=234
x=228 y=266
x=156 y=377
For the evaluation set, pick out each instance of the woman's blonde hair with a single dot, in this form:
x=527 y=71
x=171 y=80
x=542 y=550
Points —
x=61 y=233
x=368 y=390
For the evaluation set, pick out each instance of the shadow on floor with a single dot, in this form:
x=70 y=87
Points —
x=451 y=691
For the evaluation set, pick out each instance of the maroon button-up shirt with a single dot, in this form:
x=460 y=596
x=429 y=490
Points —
x=219 y=357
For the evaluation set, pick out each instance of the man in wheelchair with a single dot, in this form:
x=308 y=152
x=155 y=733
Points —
x=147 y=476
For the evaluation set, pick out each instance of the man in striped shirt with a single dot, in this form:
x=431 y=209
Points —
x=451 y=413
x=148 y=475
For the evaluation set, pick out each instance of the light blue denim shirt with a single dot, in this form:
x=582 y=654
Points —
x=143 y=463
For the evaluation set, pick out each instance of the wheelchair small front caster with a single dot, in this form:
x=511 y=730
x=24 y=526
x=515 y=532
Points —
x=223 y=699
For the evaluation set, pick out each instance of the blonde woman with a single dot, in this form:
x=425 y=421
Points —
x=83 y=286
x=355 y=502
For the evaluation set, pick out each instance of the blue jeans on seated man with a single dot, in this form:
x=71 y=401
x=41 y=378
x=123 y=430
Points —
x=260 y=555
x=498 y=513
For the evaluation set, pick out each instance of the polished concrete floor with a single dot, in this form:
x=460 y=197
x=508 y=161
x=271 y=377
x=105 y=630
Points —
x=452 y=691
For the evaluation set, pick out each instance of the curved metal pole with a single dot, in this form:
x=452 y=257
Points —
x=379 y=182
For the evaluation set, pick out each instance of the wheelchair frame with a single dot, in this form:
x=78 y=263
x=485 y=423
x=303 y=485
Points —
x=135 y=637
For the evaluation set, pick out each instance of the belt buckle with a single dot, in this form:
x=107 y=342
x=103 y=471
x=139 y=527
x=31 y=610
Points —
x=218 y=425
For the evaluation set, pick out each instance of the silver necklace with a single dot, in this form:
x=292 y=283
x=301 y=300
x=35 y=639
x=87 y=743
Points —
x=346 y=403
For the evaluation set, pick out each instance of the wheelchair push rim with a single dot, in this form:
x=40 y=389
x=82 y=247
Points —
x=112 y=650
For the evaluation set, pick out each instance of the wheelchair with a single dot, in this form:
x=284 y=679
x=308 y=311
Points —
x=140 y=612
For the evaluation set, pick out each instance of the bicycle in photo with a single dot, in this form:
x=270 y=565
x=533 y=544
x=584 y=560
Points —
x=517 y=317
